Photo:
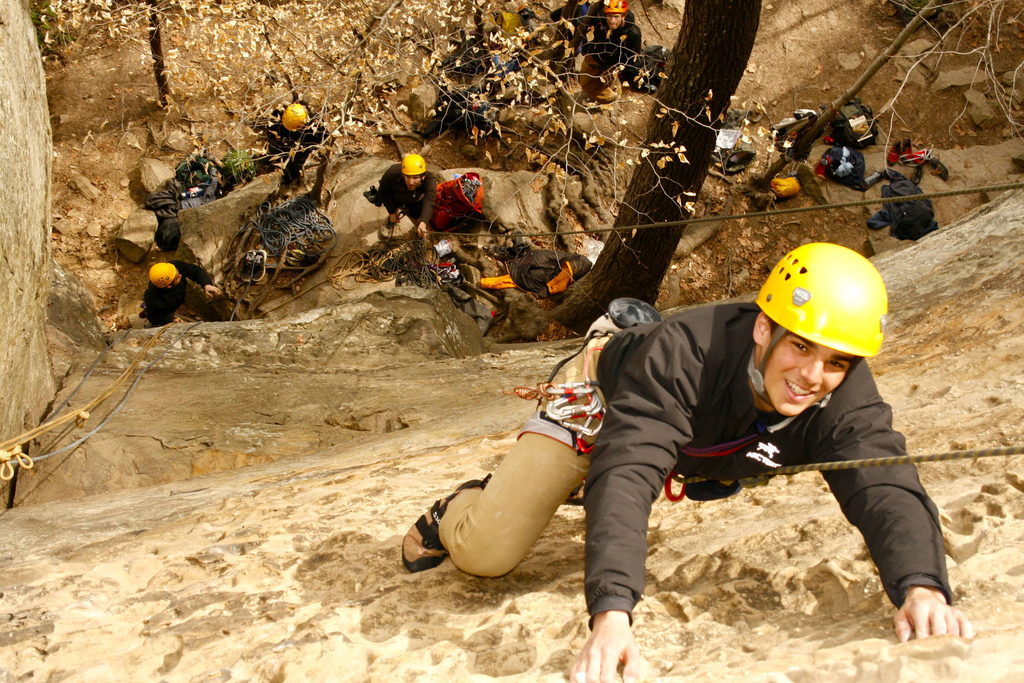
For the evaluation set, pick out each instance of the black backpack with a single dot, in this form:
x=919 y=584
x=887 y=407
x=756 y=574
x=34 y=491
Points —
x=653 y=61
x=854 y=125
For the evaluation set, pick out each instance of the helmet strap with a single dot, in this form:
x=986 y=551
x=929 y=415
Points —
x=756 y=374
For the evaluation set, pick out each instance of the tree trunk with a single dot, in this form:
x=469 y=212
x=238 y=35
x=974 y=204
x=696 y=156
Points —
x=708 y=60
x=803 y=146
x=156 y=48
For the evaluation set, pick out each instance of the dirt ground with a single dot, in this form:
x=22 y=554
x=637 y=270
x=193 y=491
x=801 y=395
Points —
x=105 y=118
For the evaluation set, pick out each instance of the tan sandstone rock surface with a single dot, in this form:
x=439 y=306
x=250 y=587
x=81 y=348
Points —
x=290 y=570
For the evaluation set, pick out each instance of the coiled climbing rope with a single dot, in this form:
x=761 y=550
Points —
x=403 y=260
x=297 y=223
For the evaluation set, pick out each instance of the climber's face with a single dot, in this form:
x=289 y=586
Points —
x=413 y=181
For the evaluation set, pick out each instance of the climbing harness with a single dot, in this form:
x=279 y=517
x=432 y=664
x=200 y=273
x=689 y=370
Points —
x=716 y=451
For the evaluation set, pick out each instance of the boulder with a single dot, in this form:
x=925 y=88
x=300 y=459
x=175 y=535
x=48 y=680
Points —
x=84 y=187
x=207 y=231
x=422 y=101
x=135 y=237
x=958 y=78
x=848 y=61
x=72 y=329
x=152 y=173
x=982 y=114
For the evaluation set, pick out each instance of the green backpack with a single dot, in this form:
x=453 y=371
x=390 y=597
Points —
x=196 y=171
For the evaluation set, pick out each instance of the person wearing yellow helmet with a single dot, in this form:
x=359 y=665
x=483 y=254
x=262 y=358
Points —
x=407 y=189
x=727 y=392
x=166 y=290
x=293 y=134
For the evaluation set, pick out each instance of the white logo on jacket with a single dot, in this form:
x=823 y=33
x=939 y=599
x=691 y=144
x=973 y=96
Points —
x=765 y=457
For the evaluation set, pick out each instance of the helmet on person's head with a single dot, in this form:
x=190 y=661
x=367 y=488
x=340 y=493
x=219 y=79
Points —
x=163 y=274
x=616 y=6
x=830 y=295
x=413 y=164
x=295 y=116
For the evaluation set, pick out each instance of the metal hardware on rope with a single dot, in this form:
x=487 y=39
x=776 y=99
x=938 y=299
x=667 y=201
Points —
x=569 y=403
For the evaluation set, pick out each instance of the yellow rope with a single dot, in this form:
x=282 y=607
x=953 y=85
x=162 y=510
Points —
x=6 y=468
x=12 y=448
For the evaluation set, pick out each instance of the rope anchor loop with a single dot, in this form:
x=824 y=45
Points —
x=19 y=457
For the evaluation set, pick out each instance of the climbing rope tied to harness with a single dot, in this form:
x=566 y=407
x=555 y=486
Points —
x=831 y=466
x=19 y=457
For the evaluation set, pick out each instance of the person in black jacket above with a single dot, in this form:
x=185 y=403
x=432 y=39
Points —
x=166 y=290
x=407 y=189
x=616 y=44
x=725 y=392
x=293 y=134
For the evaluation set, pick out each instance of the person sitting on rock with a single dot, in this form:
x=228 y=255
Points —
x=616 y=45
x=166 y=290
x=407 y=189
x=295 y=133
x=727 y=392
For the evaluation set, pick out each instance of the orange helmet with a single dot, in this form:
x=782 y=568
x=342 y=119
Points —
x=616 y=6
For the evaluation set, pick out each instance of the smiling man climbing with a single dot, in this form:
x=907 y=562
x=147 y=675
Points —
x=725 y=392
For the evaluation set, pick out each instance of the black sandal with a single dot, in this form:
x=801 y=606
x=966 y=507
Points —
x=422 y=542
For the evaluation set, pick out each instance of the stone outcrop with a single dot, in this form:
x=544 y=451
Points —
x=25 y=163
x=227 y=395
x=291 y=568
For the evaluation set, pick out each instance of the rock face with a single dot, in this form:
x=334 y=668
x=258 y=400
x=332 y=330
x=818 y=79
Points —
x=288 y=569
x=24 y=223
x=229 y=395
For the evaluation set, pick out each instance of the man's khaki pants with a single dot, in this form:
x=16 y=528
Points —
x=488 y=532
x=600 y=84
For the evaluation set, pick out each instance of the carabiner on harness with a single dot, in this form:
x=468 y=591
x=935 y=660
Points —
x=577 y=406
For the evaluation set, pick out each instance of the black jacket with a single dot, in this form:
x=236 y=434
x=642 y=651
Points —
x=162 y=302
x=910 y=220
x=610 y=48
x=684 y=383
x=418 y=203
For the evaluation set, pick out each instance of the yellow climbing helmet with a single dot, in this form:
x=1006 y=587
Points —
x=786 y=187
x=616 y=6
x=830 y=295
x=295 y=116
x=163 y=274
x=414 y=164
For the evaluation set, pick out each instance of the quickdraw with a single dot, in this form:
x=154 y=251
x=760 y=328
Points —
x=577 y=406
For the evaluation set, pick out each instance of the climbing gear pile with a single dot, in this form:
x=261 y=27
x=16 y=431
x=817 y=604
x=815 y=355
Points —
x=296 y=224
x=903 y=153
